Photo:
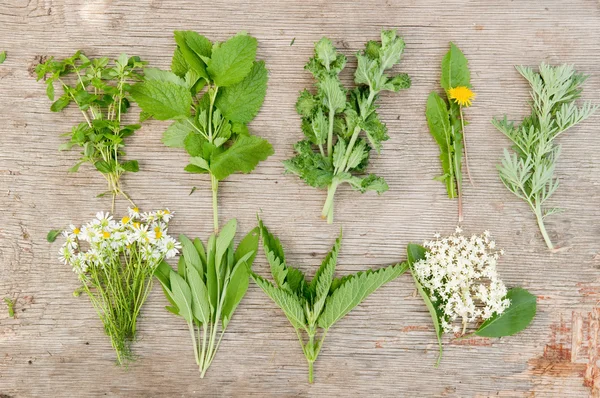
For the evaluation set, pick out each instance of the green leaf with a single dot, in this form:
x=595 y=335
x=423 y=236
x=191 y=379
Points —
x=2 y=57
x=237 y=287
x=199 y=293
x=274 y=254
x=232 y=61
x=438 y=120
x=415 y=254
x=243 y=156
x=321 y=283
x=354 y=290
x=182 y=296
x=103 y=167
x=178 y=64
x=515 y=318
x=194 y=144
x=190 y=254
x=192 y=47
x=60 y=103
x=131 y=165
x=334 y=96
x=286 y=301
x=241 y=102
x=248 y=244
x=325 y=52
x=455 y=71
x=163 y=99
x=174 y=135
x=53 y=234
x=212 y=282
x=224 y=241
x=164 y=76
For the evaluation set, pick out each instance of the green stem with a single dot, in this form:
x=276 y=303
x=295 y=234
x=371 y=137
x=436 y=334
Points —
x=540 y=221
x=311 y=378
x=215 y=188
x=328 y=207
x=330 y=134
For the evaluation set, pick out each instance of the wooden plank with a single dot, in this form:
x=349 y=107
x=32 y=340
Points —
x=386 y=347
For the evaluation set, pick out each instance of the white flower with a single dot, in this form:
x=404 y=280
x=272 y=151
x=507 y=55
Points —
x=170 y=247
x=460 y=277
x=458 y=230
x=134 y=213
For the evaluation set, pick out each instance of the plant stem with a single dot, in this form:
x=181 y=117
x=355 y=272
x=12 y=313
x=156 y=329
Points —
x=215 y=188
x=328 y=207
x=311 y=378
x=462 y=123
x=330 y=134
x=540 y=221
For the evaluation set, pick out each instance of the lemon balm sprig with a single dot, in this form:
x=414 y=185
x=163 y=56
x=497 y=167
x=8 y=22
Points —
x=100 y=89
x=446 y=122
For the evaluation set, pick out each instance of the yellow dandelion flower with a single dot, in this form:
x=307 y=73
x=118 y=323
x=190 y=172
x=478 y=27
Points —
x=462 y=95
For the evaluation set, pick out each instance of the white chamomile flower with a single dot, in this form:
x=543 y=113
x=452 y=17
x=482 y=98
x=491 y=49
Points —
x=170 y=247
x=134 y=213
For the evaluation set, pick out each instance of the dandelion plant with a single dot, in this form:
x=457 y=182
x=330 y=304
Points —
x=211 y=93
x=100 y=89
x=446 y=122
x=334 y=151
x=319 y=304
x=529 y=171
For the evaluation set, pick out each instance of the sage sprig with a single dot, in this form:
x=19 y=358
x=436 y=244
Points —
x=211 y=93
x=456 y=277
x=319 y=304
x=446 y=122
x=333 y=151
x=208 y=285
x=529 y=171
x=100 y=89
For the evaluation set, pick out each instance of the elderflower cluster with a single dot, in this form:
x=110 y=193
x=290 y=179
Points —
x=459 y=273
x=138 y=237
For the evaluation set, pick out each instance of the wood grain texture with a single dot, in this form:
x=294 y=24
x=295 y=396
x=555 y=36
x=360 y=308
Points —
x=386 y=347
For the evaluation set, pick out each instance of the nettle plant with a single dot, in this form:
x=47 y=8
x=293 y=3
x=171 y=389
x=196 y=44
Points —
x=101 y=90
x=446 y=122
x=529 y=171
x=457 y=278
x=320 y=303
x=211 y=93
x=334 y=151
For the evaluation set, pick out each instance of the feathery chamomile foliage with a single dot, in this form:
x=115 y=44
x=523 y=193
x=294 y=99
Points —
x=100 y=89
x=529 y=172
x=115 y=262
x=446 y=122
x=334 y=151
x=320 y=303
x=211 y=93
x=457 y=278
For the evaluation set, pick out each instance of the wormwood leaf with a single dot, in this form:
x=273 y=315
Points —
x=354 y=290
x=515 y=318
x=163 y=99
x=241 y=102
x=286 y=301
x=232 y=61
x=243 y=156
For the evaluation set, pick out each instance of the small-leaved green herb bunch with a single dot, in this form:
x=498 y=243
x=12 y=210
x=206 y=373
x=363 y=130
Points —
x=211 y=93
x=446 y=122
x=529 y=171
x=115 y=262
x=457 y=278
x=320 y=303
x=100 y=89
x=334 y=151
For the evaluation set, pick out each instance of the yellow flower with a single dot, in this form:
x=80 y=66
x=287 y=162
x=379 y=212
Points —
x=76 y=231
x=125 y=220
x=106 y=234
x=157 y=232
x=462 y=95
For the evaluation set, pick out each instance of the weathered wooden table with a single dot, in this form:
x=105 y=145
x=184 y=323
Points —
x=386 y=347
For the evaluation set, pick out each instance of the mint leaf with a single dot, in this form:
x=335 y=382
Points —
x=232 y=61
x=242 y=156
x=163 y=99
x=240 y=102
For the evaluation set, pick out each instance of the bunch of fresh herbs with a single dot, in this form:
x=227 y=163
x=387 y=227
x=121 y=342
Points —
x=100 y=89
x=529 y=171
x=211 y=93
x=333 y=151
x=209 y=284
x=321 y=302
x=446 y=122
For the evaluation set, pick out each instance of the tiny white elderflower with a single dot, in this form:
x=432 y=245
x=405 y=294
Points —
x=459 y=274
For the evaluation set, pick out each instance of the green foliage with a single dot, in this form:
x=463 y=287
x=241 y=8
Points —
x=529 y=171
x=2 y=57
x=514 y=319
x=10 y=305
x=321 y=302
x=53 y=234
x=444 y=122
x=208 y=286
x=334 y=149
x=101 y=90
x=212 y=92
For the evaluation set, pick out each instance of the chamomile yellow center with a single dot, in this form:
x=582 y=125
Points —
x=76 y=231
x=462 y=95
x=136 y=224
x=157 y=232
x=125 y=220
x=106 y=234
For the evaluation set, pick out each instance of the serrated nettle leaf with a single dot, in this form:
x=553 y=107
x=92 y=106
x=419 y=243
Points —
x=163 y=99
x=286 y=301
x=514 y=319
x=241 y=102
x=321 y=283
x=243 y=156
x=232 y=60
x=455 y=70
x=174 y=136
